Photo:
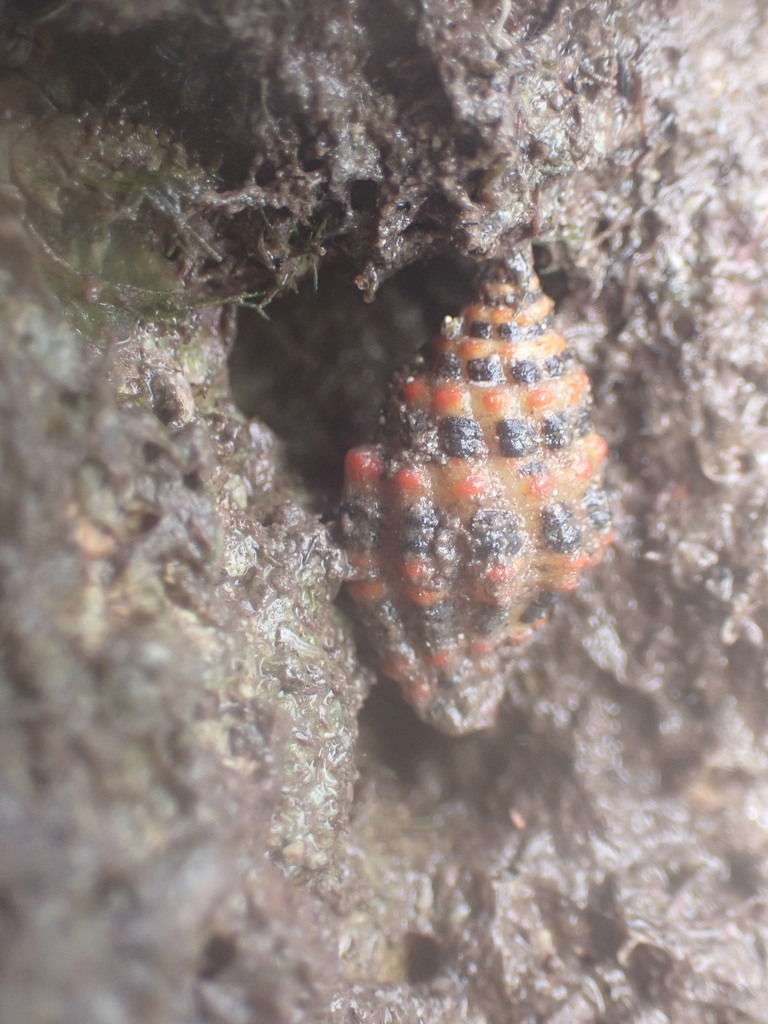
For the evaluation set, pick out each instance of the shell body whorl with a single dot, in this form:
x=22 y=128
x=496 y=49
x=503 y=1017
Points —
x=480 y=504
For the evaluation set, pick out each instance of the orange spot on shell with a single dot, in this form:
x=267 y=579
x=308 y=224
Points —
x=596 y=446
x=473 y=348
x=519 y=636
x=423 y=597
x=575 y=387
x=536 y=312
x=416 y=570
x=572 y=563
x=501 y=315
x=500 y=573
x=439 y=659
x=369 y=590
x=397 y=668
x=414 y=390
x=550 y=343
x=448 y=399
x=409 y=481
x=359 y=559
x=597 y=556
x=582 y=468
x=508 y=349
x=568 y=582
x=475 y=312
x=363 y=465
x=482 y=646
x=495 y=401
x=472 y=486
x=540 y=484
x=539 y=398
x=417 y=693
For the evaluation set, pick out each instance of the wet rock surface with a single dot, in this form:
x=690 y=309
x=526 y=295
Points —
x=197 y=822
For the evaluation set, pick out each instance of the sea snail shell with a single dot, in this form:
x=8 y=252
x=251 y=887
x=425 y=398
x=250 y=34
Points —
x=481 y=502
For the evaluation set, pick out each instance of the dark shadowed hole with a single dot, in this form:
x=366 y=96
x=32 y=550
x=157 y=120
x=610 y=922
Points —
x=70 y=399
x=554 y=280
x=152 y=452
x=148 y=522
x=556 y=285
x=217 y=955
x=363 y=195
x=193 y=481
x=394 y=736
x=606 y=926
x=539 y=21
x=745 y=875
x=649 y=967
x=317 y=370
x=265 y=174
x=652 y=227
x=683 y=324
x=312 y=163
x=422 y=957
x=566 y=284
x=467 y=144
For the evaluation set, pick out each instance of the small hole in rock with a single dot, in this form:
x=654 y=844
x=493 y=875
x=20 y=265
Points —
x=312 y=163
x=649 y=967
x=217 y=955
x=556 y=284
x=422 y=957
x=193 y=482
x=265 y=174
x=363 y=194
x=148 y=522
x=70 y=399
x=745 y=876
x=151 y=451
x=395 y=737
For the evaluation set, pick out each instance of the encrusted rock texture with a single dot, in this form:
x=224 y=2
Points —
x=210 y=809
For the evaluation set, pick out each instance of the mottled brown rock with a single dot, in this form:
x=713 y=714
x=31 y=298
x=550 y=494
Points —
x=153 y=751
x=180 y=836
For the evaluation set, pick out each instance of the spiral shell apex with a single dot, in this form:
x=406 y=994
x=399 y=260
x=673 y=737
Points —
x=480 y=504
